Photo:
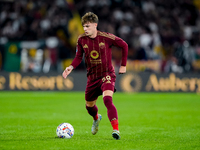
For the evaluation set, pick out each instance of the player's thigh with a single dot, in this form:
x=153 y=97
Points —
x=92 y=92
x=108 y=85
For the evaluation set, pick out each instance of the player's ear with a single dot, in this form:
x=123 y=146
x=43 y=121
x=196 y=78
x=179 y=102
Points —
x=95 y=24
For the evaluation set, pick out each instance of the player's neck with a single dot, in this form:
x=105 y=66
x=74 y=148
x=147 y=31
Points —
x=94 y=35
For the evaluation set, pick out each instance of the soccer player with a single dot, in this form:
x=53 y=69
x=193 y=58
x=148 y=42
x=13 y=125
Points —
x=96 y=47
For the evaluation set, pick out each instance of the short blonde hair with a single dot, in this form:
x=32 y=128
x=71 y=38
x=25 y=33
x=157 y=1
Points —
x=89 y=17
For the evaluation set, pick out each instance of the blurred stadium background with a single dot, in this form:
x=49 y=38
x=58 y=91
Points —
x=38 y=40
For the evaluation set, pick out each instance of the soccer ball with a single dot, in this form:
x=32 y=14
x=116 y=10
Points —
x=65 y=130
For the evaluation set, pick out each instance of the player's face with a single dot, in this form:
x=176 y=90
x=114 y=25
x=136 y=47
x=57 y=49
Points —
x=90 y=29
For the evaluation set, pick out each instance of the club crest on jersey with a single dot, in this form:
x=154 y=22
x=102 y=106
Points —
x=101 y=45
x=85 y=46
x=94 y=54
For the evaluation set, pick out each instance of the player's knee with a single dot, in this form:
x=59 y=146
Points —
x=90 y=103
x=108 y=93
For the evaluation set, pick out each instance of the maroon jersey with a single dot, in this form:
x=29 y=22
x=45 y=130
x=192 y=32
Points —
x=98 y=54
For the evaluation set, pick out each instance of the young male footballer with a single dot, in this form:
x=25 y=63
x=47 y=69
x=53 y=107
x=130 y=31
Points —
x=96 y=47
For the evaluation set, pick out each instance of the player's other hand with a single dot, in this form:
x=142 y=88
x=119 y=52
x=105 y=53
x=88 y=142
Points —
x=67 y=71
x=122 y=70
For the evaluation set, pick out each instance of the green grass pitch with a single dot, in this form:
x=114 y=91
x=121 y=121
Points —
x=147 y=121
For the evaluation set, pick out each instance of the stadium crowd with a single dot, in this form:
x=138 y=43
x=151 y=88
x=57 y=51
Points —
x=168 y=31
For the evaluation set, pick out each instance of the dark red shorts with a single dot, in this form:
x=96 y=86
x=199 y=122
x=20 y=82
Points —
x=96 y=88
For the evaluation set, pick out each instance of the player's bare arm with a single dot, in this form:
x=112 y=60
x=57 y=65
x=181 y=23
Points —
x=67 y=71
x=122 y=70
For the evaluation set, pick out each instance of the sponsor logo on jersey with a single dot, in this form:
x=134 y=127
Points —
x=94 y=54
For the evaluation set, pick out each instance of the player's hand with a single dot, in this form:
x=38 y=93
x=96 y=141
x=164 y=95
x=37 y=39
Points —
x=67 y=71
x=122 y=70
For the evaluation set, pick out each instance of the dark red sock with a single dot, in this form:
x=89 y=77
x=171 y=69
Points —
x=111 y=111
x=93 y=111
